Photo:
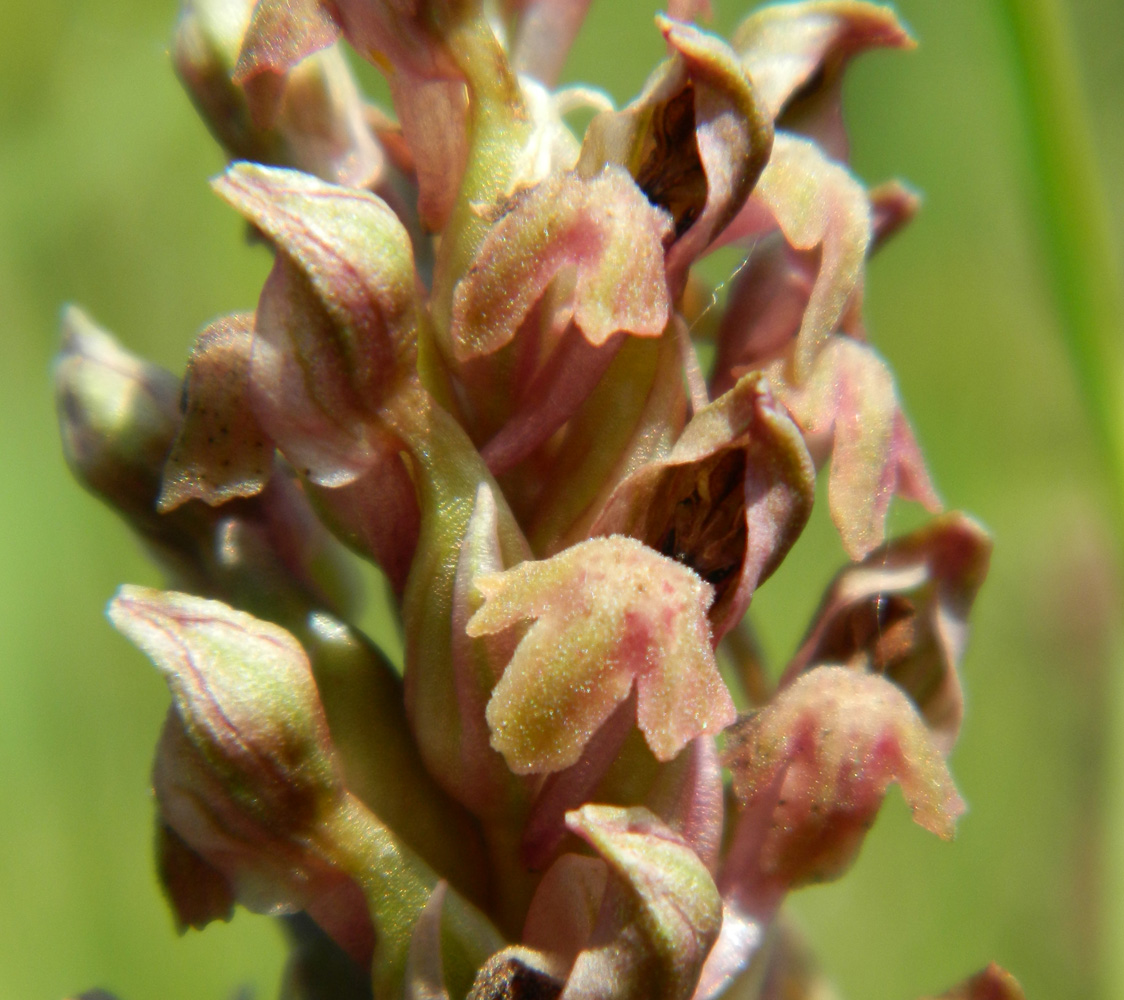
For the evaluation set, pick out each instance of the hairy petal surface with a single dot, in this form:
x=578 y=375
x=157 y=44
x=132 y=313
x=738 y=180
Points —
x=609 y=613
x=850 y=400
x=816 y=762
x=603 y=227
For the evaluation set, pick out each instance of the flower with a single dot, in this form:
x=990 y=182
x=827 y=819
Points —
x=474 y=363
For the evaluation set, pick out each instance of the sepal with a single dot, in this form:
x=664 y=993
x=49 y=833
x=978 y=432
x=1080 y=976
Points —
x=660 y=915
x=903 y=613
x=729 y=500
x=221 y=450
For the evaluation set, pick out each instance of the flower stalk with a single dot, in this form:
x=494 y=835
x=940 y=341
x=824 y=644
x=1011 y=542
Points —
x=473 y=365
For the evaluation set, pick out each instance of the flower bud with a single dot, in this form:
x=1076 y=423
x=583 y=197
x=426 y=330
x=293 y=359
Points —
x=310 y=118
x=117 y=416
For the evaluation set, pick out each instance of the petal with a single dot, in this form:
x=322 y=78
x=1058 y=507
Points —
x=817 y=205
x=302 y=388
x=221 y=451
x=892 y=206
x=850 y=398
x=337 y=320
x=730 y=499
x=902 y=612
x=609 y=612
x=818 y=760
x=377 y=514
x=604 y=227
x=354 y=252
x=633 y=416
x=546 y=30
x=784 y=46
x=281 y=33
x=197 y=891
x=733 y=136
x=688 y=797
x=563 y=912
x=432 y=114
x=696 y=140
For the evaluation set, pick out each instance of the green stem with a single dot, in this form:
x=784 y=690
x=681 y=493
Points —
x=1085 y=268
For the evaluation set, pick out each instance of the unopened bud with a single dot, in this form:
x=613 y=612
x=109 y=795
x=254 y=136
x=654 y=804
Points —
x=118 y=416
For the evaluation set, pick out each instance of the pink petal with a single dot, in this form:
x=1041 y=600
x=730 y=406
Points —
x=546 y=30
x=784 y=46
x=609 y=613
x=850 y=399
x=377 y=514
x=733 y=136
x=281 y=33
x=817 y=204
x=604 y=227
x=819 y=759
x=563 y=913
x=654 y=941
x=433 y=115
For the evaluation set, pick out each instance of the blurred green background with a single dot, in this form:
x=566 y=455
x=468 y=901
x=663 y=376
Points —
x=104 y=201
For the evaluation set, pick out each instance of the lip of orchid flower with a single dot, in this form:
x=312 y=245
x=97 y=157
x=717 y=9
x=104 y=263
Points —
x=471 y=364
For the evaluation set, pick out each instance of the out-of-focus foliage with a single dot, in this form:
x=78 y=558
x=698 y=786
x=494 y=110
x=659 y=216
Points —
x=102 y=200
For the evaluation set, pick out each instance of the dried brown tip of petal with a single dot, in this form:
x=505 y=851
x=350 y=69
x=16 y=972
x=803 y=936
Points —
x=198 y=892
x=518 y=974
x=993 y=983
x=221 y=451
